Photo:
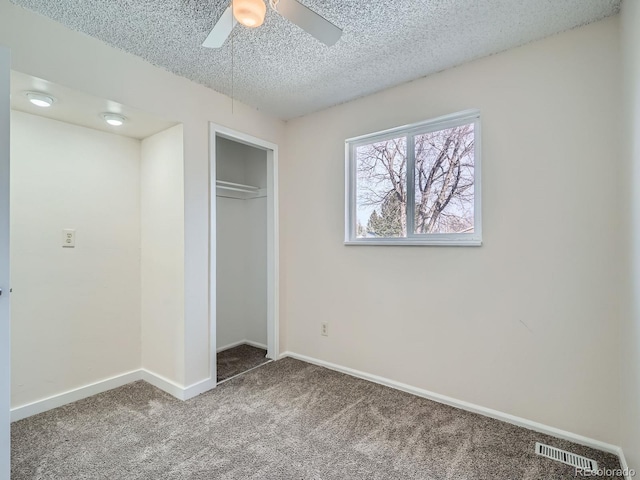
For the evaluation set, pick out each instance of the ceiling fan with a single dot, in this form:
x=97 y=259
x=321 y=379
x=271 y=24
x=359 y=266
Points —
x=250 y=13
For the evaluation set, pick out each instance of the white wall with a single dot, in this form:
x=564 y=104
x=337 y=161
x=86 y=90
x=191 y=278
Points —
x=241 y=289
x=46 y=49
x=75 y=311
x=231 y=314
x=630 y=328
x=162 y=246
x=256 y=261
x=452 y=320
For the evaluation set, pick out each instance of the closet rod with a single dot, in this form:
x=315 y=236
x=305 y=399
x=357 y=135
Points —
x=237 y=187
x=240 y=198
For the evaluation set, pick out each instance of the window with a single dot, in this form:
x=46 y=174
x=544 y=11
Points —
x=416 y=185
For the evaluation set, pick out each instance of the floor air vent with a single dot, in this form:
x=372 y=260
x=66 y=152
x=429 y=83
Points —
x=568 y=458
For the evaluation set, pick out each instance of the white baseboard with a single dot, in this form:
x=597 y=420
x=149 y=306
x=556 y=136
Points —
x=175 y=389
x=488 y=412
x=169 y=386
x=256 y=344
x=172 y=388
x=70 y=396
x=198 y=388
x=231 y=345
x=241 y=342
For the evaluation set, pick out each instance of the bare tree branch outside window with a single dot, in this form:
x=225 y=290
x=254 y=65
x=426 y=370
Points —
x=443 y=182
x=382 y=187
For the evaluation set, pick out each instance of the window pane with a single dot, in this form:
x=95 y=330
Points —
x=444 y=181
x=381 y=189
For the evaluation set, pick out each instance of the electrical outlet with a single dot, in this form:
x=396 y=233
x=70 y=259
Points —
x=324 y=329
x=69 y=238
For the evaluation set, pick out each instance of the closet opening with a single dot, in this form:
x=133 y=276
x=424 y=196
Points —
x=243 y=246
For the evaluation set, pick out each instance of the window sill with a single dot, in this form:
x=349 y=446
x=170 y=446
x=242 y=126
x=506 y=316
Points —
x=417 y=243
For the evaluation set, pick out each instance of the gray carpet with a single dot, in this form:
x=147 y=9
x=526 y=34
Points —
x=285 y=420
x=239 y=359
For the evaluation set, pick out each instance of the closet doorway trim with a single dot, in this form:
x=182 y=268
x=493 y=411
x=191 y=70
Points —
x=273 y=348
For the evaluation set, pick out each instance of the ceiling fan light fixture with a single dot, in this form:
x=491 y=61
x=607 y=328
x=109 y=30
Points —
x=249 y=13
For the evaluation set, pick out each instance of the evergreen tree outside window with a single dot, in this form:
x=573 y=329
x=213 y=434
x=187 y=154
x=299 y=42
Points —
x=418 y=184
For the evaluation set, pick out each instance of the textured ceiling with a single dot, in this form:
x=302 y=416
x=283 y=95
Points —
x=282 y=70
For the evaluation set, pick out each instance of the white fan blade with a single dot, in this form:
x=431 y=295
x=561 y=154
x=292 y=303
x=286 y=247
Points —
x=310 y=21
x=222 y=30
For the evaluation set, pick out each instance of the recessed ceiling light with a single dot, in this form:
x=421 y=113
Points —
x=113 y=119
x=40 y=99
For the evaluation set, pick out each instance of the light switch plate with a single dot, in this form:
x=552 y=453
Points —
x=69 y=238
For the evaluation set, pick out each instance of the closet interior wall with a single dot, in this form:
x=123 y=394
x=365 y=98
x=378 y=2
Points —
x=241 y=246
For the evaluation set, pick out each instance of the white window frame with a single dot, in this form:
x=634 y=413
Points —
x=435 y=124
